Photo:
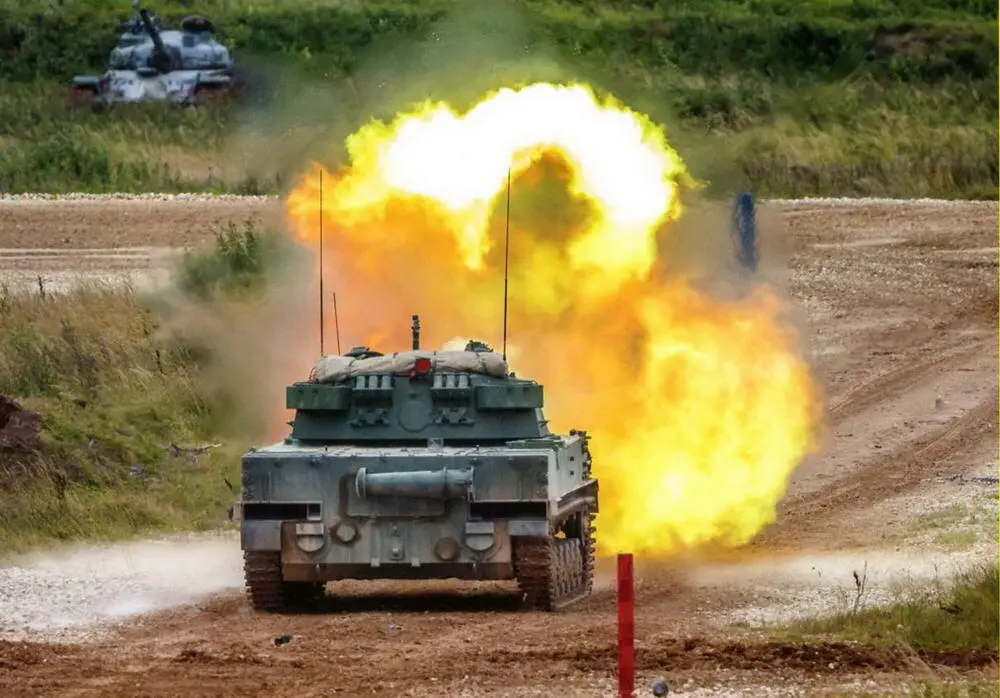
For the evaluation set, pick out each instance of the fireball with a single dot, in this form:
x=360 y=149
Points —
x=699 y=408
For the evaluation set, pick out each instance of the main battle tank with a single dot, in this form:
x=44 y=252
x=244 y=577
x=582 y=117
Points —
x=151 y=63
x=418 y=465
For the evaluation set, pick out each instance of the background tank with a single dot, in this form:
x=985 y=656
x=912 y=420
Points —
x=418 y=465
x=152 y=63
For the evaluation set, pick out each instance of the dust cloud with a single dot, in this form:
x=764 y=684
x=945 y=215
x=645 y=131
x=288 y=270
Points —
x=68 y=594
x=244 y=348
x=254 y=348
x=478 y=46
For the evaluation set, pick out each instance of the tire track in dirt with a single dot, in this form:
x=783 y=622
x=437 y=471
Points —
x=806 y=520
x=897 y=380
x=898 y=405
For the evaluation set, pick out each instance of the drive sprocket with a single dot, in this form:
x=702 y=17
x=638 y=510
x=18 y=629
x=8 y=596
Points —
x=266 y=588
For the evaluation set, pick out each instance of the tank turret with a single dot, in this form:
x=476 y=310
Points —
x=152 y=62
x=413 y=396
x=196 y=24
x=418 y=464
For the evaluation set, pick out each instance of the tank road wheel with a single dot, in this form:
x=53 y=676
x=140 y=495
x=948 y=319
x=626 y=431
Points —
x=589 y=536
x=268 y=591
x=552 y=572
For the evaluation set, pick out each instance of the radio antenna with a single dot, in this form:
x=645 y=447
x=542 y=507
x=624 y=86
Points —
x=336 y=320
x=506 y=263
x=321 y=263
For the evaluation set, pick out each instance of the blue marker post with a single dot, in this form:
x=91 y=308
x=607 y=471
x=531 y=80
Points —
x=745 y=231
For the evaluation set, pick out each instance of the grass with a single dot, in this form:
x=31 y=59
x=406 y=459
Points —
x=962 y=617
x=47 y=147
x=112 y=401
x=954 y=540
x=242 y=264
x=950 y=527
x=817 y=37
x=166 y=497
x=789 y=98
x=115 y=393
x=942 y=518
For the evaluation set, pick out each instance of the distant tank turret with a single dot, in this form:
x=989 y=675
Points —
x=152 y=63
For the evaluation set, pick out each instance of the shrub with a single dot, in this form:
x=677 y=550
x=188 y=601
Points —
x=242 y=261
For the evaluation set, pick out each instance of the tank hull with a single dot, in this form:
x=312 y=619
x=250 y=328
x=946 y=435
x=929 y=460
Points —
x=325 y=514
x=181 y=87
x=418 y=465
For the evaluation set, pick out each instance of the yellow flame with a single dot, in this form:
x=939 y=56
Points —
x=699 y=408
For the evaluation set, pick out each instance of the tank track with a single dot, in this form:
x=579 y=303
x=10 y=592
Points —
x=266 y=588
x=551 y=572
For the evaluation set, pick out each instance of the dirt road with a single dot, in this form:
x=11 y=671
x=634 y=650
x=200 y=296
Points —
x=66 y=240
x=900 y=305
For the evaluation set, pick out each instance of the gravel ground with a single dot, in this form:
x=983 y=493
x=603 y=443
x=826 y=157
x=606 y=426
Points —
x=69 y=594
x=74 y=594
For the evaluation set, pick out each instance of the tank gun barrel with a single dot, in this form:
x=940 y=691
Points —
x=416 y=484
x=161 y=57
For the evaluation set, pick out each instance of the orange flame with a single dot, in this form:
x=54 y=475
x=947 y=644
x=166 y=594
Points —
x=699 y=408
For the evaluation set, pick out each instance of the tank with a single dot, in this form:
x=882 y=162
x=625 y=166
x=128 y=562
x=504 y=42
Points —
x=418 y=465
x=151 y=63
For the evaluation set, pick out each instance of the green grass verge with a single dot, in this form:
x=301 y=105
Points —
x=964 y=616
x=858 y=139
x=115 y=391
x=788 y=98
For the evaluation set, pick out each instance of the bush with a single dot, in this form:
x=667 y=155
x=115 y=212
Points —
x=241 y=263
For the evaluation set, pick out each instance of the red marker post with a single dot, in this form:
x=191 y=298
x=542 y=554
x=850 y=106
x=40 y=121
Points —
x=626 y=627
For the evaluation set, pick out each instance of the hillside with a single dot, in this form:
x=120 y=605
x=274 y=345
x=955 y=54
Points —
x=849 y=97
